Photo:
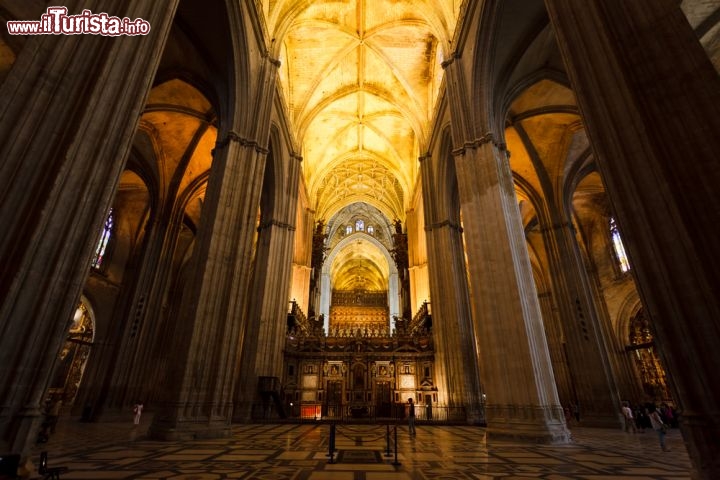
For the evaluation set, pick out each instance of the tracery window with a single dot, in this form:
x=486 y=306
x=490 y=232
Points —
x=371 y=230
x=359 y=226
x=101 y=249
x=618 y=246
x=348 y=230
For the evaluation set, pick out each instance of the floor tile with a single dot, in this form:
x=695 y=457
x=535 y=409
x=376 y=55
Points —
x=101 y=451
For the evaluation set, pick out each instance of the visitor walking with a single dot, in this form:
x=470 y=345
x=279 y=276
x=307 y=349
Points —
x=411 y=416
x=137 y=409
x=658 y=425
x=628 y=418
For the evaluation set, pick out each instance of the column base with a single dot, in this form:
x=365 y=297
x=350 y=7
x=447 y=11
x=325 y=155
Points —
x=475 y=415
x=601 y=421
x=22 y=430
x=242 y=412
x=701 y=433
x=528 y=433
x=525 y=423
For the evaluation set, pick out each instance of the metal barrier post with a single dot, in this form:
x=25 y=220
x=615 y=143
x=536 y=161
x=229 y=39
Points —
x=396 y=463
x=387 y=441
x=331 y=443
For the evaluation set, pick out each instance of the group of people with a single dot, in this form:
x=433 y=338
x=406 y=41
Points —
x=638 y=418
x=649 y=416
x=572 y=413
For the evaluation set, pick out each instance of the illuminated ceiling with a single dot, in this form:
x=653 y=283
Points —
x=360 y=78
x=359 y=265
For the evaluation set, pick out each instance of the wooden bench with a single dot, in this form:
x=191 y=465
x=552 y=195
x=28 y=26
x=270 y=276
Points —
x=49 y=472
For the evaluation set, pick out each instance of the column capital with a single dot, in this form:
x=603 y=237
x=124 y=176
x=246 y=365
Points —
x=453 y=56
x=244 y=142
x=489 y=137
x=444 y=223
x=273 y=61
x=276 y=223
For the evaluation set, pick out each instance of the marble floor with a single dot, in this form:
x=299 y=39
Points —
x=300 y=451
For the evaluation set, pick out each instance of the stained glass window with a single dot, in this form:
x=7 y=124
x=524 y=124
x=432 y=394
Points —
x=371 y=230
x=101 y=249
x=348 y=230
x=359 y=226
x=620 y=254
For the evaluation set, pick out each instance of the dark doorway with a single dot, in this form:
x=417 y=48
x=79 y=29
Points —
x=333 y=405
x=383 y=399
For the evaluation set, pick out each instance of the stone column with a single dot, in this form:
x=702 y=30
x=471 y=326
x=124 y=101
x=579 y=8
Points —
x=197 y=391
x=210 y=333
x=514 y=360
x=556 y=347
x=106 y=388
x=393 y=298
x=143 y=323
x=456 y=361
x=325 y=295
x=267 y=312
x=585 y=341
x=515 y=366
x=68 y=112
x=652 y=112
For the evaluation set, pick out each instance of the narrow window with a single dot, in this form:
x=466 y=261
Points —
x=101 y=250
x=348 y=230
x=620 y=254
x=371 y=230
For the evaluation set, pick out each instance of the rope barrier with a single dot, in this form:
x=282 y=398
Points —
x=360 y=430
x=362 y=440
x=334 y=430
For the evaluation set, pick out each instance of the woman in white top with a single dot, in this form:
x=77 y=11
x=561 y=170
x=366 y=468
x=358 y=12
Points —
x=658 y=425
x=628 y=417
x=137 y=409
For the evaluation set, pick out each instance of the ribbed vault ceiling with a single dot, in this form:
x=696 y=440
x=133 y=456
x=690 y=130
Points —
x=360 y=78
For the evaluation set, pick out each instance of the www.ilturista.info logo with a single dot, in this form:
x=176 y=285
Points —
x=56 y=21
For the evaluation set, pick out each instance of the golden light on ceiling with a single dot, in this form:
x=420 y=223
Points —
x=360 y=264
x=361 y=78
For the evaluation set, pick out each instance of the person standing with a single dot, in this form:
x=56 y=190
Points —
x=411 y=416
x=137 y=409
x=628 y=416
x=658 y=425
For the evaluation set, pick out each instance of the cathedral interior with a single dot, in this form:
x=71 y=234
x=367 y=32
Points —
x=297 y=209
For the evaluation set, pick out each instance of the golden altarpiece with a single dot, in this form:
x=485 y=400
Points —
x=360 y=368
